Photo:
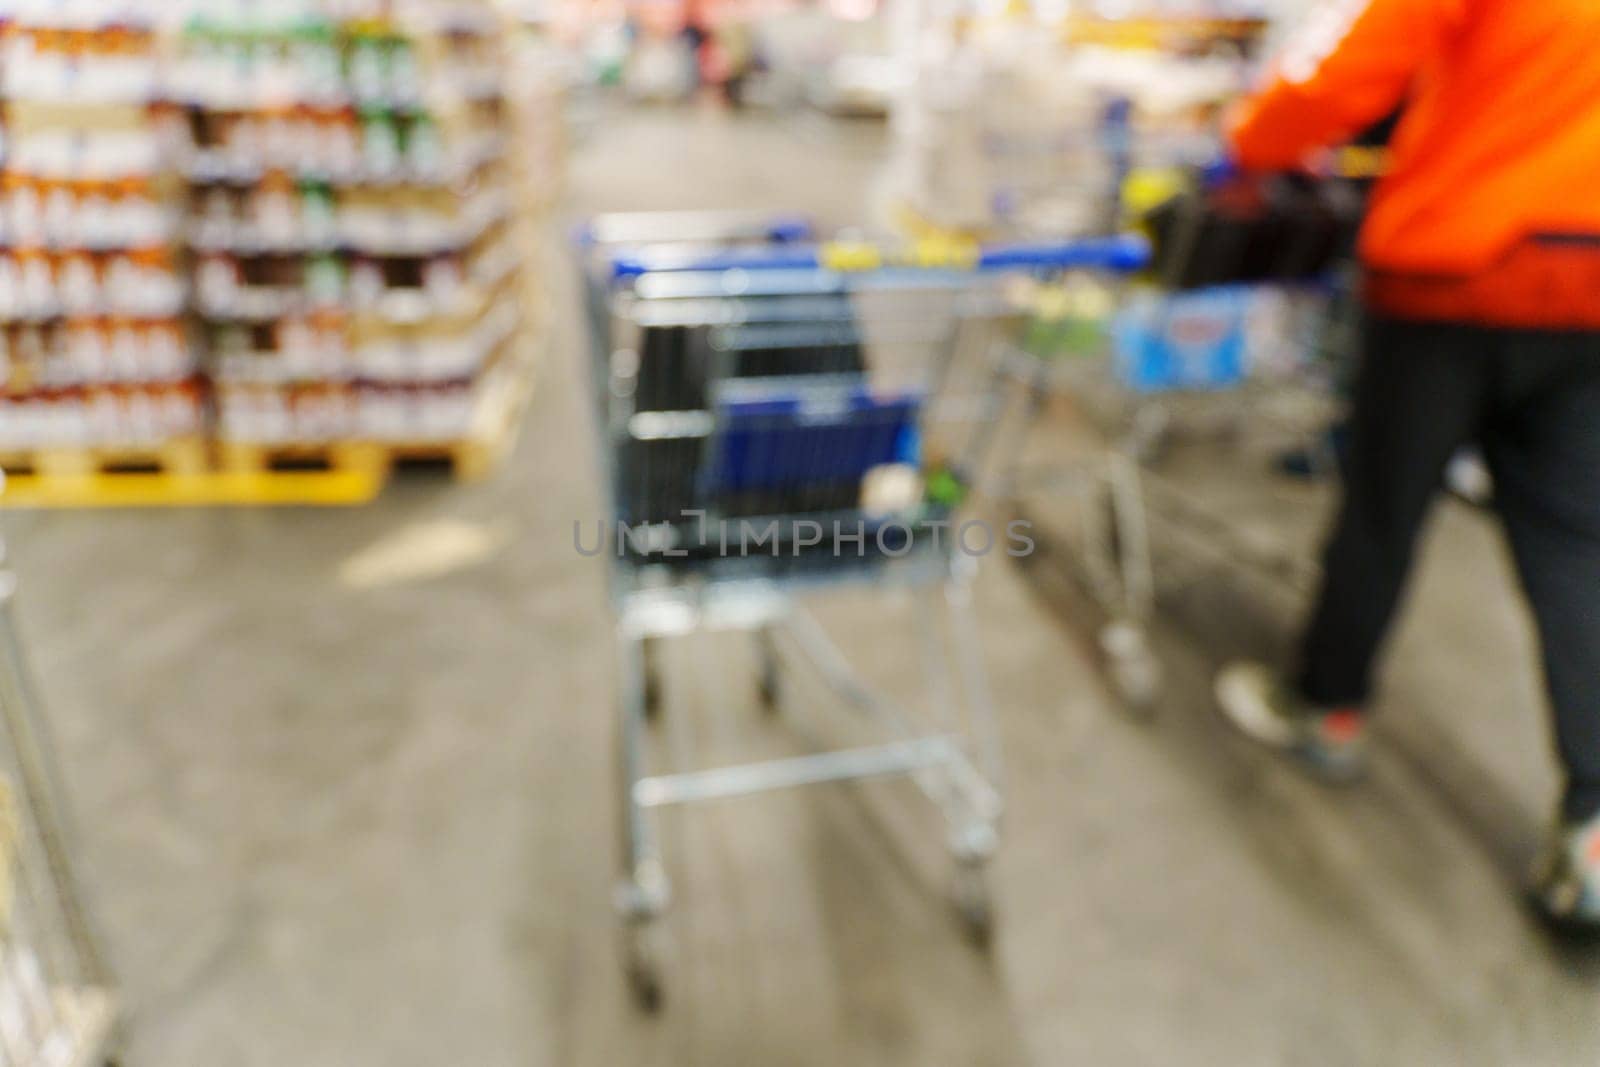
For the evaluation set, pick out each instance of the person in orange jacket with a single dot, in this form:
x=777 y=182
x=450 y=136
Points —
x=1481 y=262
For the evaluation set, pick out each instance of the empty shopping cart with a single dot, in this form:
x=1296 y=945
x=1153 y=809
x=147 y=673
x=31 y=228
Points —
x=781 y=418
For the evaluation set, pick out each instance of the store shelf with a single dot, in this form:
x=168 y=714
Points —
x=337 y=199
x=500 y=396
x=209 y=166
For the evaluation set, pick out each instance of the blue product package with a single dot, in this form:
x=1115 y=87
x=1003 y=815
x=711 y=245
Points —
x=775 y=434
x=1183 y=341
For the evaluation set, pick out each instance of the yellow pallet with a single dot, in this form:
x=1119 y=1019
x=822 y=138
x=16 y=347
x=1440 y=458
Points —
x=206 y=489
x=181 y=455
x=177 y=473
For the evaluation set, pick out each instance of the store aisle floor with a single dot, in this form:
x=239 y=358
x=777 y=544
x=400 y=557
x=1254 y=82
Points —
x=344 y=780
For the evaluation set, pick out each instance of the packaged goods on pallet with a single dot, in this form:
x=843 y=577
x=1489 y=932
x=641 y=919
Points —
x=349 y=197
x=535 y=87
x=101 y=416
x=93 y=214
x=45 y=285
x=62 y=353
x=228 y=225
x=94 y=350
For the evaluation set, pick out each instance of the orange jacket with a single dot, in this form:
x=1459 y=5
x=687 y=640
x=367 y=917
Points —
x=1499 y=139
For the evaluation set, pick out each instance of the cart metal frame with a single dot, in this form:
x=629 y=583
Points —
x=948 y=745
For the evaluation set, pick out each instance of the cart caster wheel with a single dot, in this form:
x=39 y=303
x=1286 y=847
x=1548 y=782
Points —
x=652 y=679
x=769 y=683
x=974 y=905
x=644 y=971
x=770 y=689
x=1135 y=672
x=645 y=985
x=1138 y=682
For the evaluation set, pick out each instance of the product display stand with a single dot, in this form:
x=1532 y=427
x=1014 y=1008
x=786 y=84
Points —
x=260 y=253
x=348 y=205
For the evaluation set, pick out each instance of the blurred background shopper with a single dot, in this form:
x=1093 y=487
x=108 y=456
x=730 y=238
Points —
x=1482 y=286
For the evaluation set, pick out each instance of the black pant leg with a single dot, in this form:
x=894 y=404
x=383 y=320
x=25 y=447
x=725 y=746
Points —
x=1544 y=450
x=1419 y=396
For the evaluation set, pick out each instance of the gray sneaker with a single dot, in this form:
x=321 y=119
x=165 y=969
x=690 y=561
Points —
x=1329 y=742
x=1567 y=882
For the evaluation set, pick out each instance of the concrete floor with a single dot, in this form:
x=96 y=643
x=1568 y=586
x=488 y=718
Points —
x=344 y=781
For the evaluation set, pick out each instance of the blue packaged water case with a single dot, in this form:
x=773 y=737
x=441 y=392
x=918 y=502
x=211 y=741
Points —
x=1194 y=340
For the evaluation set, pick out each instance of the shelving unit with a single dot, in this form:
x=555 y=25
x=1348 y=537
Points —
x=349 y=197
x=322 y=254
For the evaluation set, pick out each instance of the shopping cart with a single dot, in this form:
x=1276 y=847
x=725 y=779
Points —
x=1241 y=325
x=779 y=419
x=56 y=1001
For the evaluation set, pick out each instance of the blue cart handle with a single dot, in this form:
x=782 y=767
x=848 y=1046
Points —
x=1120 y=254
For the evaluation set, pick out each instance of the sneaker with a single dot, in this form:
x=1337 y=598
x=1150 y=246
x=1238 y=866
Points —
x=1330 y=742
x=1567 y=883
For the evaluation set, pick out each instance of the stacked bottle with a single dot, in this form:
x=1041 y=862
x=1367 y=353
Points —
x=347 y=207
x=94 y=352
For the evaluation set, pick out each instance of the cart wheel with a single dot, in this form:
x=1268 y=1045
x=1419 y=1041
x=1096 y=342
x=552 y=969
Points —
x=652 y=679
x=643 y=966
x=652 y=696
x=769 y=685
x=1135 y=672
x=771 y=691
x=973 y=902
